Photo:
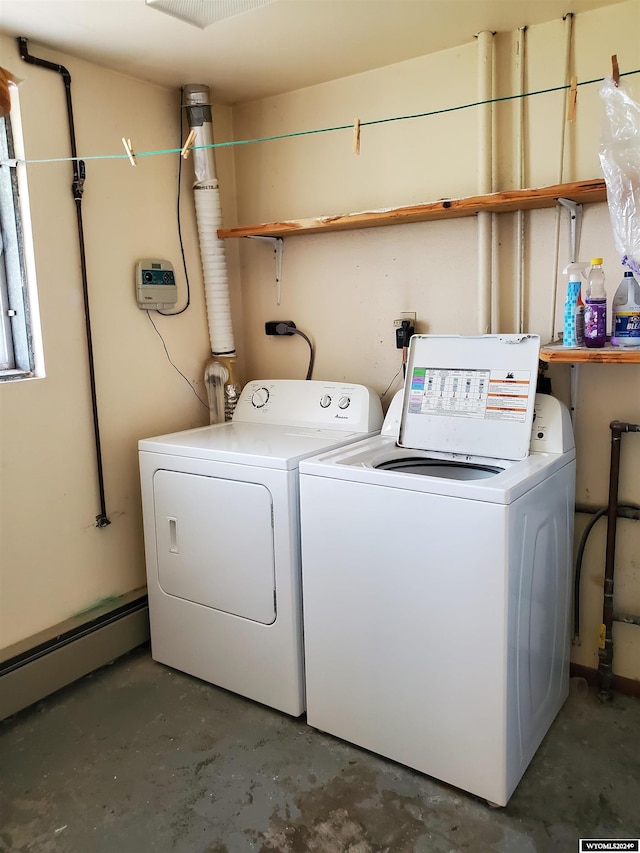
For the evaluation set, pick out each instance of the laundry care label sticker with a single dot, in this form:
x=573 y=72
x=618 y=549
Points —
x=487 y=394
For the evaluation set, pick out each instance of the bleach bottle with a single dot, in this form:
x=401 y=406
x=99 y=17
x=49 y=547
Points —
x=595 y=312
x=573 y=327
x=625 y=326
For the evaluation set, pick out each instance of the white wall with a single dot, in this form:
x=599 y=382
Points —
x=345 y=289
x=342 y=289
x=54 y=561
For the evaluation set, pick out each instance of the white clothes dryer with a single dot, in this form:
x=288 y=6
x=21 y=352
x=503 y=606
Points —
x=437 y=569
x=222 y=539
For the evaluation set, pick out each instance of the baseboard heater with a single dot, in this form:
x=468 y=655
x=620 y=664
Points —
x=69 y=651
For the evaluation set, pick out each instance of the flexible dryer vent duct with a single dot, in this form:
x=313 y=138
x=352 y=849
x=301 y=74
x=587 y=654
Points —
x=222 y=387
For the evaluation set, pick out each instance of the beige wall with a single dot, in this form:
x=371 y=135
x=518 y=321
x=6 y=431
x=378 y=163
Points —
x=345 y=289
x=55 y=562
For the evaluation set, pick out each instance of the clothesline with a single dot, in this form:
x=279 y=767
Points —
x=131 y=155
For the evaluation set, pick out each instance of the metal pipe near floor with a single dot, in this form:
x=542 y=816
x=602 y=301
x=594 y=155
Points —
x=605 y=652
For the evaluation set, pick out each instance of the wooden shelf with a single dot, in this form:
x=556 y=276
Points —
x=582 y=192
x=583 y=355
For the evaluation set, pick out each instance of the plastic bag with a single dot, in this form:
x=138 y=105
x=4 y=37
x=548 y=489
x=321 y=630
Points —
x=620 y=162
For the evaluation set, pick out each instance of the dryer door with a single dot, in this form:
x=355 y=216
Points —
x=214 y=541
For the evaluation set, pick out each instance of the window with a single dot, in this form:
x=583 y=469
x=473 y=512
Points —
x=20 y=345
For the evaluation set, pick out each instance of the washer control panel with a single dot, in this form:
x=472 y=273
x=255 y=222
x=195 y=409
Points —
x=551 y=431
x=310 y=403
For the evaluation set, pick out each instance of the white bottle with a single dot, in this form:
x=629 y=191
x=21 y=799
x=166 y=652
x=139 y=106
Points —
x=625 y=326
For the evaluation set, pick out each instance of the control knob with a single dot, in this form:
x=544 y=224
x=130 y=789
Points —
x=325 y=401
x=260 y=397
x=344 y=402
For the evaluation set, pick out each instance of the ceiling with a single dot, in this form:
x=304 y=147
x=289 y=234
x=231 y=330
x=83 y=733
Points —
x=275 y=48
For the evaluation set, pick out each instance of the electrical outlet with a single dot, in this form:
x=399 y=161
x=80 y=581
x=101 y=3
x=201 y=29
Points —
x=405 y=327
x=405 y=315
x=278 y=327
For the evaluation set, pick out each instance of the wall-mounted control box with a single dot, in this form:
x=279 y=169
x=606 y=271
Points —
x=155 y=284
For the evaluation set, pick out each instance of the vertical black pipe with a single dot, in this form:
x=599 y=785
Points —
x=605 y=653
x=77 y=188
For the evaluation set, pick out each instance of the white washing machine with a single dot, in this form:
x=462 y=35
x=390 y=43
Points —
x=436 y=563
x=222 y=536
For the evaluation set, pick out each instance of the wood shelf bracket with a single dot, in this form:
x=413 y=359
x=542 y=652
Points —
x=278 y=248
x=575 y=226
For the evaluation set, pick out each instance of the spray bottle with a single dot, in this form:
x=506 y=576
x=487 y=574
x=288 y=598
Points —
x=625 y=326
x=595 y=312
x=573 y=330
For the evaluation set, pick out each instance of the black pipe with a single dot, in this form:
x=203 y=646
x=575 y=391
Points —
x=605 y=653
x=629 y=511
x=77 y=188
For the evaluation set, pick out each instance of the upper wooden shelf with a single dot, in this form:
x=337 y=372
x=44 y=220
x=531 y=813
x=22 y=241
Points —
x=581 y=355
x=582 y=192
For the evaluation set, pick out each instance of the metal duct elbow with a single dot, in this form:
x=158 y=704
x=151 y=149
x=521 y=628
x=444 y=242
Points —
x=197 y=105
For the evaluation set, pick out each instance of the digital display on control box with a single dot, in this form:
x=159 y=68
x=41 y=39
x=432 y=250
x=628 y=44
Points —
x=156 y=275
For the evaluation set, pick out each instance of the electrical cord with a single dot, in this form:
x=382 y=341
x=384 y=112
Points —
x=184 y=260
x=206 y=405
x=311 y=352
x=287 y=329
x=403 y=336
x=386 y=390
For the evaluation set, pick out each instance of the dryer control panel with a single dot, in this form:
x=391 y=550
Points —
x=311 y=404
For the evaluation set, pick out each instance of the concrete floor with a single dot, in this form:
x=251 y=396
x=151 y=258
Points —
x=137 y=757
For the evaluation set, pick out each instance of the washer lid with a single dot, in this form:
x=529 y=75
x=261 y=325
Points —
x=470 y=396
